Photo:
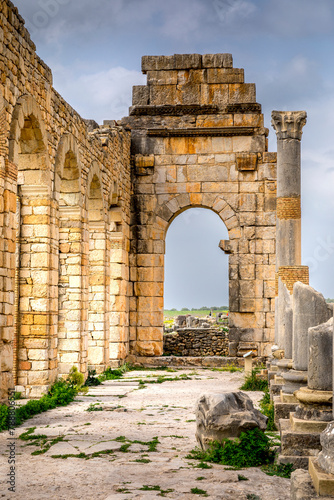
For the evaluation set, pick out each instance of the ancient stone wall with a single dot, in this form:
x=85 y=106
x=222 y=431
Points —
x=64 y=222
x=196 y=342
x=198 y=140
x=84 y=210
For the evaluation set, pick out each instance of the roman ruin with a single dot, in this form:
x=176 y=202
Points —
x=84 y=212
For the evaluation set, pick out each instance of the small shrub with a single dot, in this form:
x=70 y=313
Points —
x=61 y=393
x=242 y=478
x=267 y=408
x=198 y=491
x=254 y=382
x=113 y=374
x=4 y=417
x=95 y=407
x=76 y=380
x=281 y=470
x=251 y=449
x=92 y=380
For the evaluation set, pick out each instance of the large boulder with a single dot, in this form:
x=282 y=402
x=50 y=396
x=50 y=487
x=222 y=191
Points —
x=226 y=415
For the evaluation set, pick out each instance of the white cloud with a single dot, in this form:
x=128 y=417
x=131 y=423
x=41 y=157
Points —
x=100 y=96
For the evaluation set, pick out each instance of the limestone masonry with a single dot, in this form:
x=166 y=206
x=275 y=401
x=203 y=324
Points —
x=84 y=210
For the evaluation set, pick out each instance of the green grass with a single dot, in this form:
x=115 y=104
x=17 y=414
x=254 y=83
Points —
x=61 y=393
x=161 y=379
x=255 y=383
x=267 y=408
x=281 y=470
x=251 y=449
x=198 y=491
x=168 y=314
x=228 y=368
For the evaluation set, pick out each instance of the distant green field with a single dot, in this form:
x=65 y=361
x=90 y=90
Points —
x=198 y=312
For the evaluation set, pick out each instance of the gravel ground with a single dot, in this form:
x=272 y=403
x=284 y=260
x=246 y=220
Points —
x=129 y=414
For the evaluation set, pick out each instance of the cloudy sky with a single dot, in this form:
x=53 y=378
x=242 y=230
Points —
x=286 y=47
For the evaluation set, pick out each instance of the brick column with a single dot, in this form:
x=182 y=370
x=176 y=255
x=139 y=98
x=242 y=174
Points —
x=72 y=334
x=288 y=126
x=37 y=342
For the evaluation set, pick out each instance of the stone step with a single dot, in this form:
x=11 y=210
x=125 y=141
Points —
x=298 y=444
x=297 y=462
x=282 y=410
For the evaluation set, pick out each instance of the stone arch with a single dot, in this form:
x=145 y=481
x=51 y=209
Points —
x=95 y=178
x=71 y=271
x=150 y=295
x=98 y=285
x=35 y=342
x=68 y=159
x=169 y=210
x=27 y=116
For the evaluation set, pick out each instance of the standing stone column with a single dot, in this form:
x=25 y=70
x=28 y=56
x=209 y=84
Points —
x=288 y=126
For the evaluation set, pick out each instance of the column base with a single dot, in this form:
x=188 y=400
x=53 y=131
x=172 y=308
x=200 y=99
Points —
x=288 y=398
x=311 y=426
x=294 y=380
x=323 y=482
x=282 y=409
x=314 y=405
x=297 y=445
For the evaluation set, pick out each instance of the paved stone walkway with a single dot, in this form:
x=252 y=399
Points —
x=115 y=445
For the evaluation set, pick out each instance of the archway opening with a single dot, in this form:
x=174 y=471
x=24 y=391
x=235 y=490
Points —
x=70 y=267
x=196 y=274
x=32 y=259
x=98 y=345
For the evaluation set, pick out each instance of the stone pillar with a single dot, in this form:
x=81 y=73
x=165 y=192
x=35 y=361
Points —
x=300 y=436
x=37 y=342
x=288 y=126
x=72 y=335
x=315 y=401
x=321 y=468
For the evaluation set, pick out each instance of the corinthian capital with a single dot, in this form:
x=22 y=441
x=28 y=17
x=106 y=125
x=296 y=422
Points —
x=288 y=124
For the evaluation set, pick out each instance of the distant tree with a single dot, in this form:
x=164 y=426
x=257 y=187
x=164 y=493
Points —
x=185 y=309
x=173 y=309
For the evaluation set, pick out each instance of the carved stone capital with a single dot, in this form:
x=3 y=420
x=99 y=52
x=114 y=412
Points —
x=288 y=124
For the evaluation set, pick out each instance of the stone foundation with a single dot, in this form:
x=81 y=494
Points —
x=196 y=342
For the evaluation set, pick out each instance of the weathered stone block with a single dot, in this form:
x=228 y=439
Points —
x=140 y=95
x=225 y=415
x=217 y=61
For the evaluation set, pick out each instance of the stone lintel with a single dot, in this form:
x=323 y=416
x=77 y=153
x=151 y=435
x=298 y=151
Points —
x=177 y=110
x=205 y=132
x=186 y=61
x=288 y=124
x=193 y=109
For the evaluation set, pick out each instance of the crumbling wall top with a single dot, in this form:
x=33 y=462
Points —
x=186 y=61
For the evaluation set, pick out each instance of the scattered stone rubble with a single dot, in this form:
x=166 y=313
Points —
x=193 y=336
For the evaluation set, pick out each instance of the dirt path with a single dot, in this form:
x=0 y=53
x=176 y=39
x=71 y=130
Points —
x=116 y=446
